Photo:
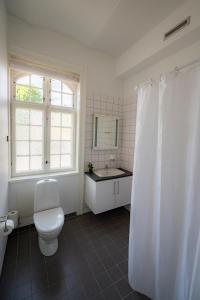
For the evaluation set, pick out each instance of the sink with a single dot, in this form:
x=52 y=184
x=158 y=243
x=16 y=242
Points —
x=108 y=172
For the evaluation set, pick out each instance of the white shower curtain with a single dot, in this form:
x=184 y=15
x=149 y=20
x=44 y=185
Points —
x=164 y=246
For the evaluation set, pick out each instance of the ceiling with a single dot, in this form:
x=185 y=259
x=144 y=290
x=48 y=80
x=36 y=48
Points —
x=106 y=25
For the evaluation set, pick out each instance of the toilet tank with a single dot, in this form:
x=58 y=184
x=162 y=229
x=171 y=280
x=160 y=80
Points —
x=46 y=195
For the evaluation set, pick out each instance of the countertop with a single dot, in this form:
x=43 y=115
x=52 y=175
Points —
x=97 y=178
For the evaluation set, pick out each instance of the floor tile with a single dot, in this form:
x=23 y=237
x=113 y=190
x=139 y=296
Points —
x=111 y=293
x=22 y=292
x=91 y=288
x=91 y=261
x=123 y=287
x=98 y=297
x=124 y=267
x=77 y=294
x=97 y=267
x=103 y=280
x=115 y=273
x=108 y=262
x=136 y=296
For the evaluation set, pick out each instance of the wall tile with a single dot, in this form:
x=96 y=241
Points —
x=125 y=109
x=103 y=104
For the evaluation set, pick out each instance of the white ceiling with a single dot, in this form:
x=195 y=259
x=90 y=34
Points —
x=107 y=25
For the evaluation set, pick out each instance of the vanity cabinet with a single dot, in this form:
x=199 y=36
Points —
x=104 y=195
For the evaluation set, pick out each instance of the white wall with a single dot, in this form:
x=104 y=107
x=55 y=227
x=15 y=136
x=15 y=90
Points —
x=3 y=124
x=152 y=47
x=182 y=57
x=21 y=196
x=50 y=47
x=101 y=84
x=100 y=67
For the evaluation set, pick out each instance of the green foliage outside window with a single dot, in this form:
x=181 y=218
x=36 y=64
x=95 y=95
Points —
x=26 y=93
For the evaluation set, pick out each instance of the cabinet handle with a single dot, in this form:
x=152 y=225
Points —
x=114 y=188
x=118 y=187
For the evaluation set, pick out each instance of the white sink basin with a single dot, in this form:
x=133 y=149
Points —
x=108 y=172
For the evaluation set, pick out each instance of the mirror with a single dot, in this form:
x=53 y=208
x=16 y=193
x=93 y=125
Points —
x=105 y=132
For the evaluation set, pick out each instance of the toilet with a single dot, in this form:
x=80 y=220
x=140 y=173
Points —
x=48 y=215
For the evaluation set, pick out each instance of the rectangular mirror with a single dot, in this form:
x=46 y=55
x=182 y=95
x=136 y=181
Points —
x=105 y=132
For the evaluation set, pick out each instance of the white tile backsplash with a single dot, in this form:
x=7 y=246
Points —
x=108 y=105
x=129 y=111
x=126 y=110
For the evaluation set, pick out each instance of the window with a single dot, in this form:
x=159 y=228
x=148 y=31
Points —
x=43 y=124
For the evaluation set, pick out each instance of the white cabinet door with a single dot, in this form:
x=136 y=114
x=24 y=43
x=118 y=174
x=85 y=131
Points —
x=123 y=191
x=105 y=195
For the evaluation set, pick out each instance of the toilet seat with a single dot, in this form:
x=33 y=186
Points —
x=49 y=221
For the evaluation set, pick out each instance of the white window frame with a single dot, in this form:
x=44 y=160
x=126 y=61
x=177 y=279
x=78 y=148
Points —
x=47 y=108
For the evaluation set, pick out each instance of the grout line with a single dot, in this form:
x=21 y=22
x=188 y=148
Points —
x=85 y=228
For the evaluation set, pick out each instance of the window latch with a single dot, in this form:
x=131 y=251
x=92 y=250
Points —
x=46 y=162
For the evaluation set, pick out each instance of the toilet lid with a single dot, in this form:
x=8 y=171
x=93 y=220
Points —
x=49 y=220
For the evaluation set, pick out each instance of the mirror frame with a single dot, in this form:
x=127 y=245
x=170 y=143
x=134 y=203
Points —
x=94 y=143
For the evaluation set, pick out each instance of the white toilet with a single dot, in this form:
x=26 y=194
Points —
x=48 y=215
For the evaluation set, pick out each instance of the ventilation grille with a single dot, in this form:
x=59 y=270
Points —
x=178 y=27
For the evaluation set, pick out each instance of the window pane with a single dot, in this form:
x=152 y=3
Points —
x=66 y=161
x=36 y=162
x=22 y=116
x=25 y=80
x=66 y=120
x=37 y=81
x=22 y=133
x=22 y=93
x=22 y=163
x=55 y=133
x=36 y=95
x=56 y=85
x=55 y=162
x=22 y=148
x=66 y=134
x=61 y=140
x=30 y=126
x=55 y=98
x=66 y=89
x=29 y=88
x=36 y=148
x=67 y=100
x=55 y=119
x=29 y=139
x=36 y=117
x=55 y=147
x=66 y=147
x=36 y=132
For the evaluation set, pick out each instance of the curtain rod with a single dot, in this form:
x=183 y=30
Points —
x=196 y=61
x=176 y=69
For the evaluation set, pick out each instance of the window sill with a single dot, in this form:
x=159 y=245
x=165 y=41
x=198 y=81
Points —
x=41 y=176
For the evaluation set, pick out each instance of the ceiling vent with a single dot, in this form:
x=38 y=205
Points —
x=178 y=27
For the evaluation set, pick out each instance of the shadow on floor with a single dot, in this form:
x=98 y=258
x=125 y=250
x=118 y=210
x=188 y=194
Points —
x=91 y=261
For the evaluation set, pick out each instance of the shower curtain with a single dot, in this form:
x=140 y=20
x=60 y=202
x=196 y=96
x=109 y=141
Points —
x=164 y=245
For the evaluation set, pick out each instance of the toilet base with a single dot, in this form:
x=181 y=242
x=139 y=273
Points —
x=48 y=247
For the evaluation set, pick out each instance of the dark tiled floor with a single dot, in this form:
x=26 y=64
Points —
x=91 y=262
